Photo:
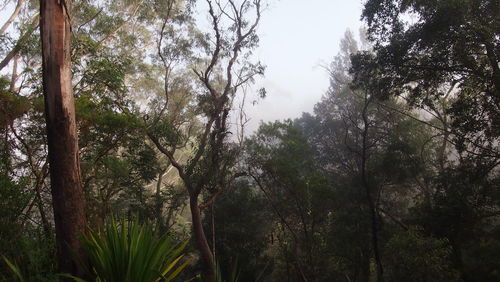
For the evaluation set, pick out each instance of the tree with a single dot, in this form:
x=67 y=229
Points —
x=281 y=165
x=412 y=255
x=374 y=153
x=451 y=50
x=441 y=57
x=364 y=127
x=67 y=195
x=211 y=166
x=240 y=224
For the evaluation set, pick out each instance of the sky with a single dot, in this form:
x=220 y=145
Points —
x=296 y=37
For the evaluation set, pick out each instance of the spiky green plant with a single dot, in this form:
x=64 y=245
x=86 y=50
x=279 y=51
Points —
x=232 y=275
x=15 y=269
x=131 y=252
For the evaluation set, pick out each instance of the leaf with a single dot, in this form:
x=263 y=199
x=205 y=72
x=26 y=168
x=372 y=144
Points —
x=14 y=269
x=72 y=277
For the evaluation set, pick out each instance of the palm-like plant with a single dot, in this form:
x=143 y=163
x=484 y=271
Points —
x=232 y=276
x=132 y=252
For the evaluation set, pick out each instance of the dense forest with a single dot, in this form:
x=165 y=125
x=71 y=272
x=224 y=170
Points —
x=125 y=153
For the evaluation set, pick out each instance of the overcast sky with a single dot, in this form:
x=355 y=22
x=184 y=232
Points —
x=295 y=37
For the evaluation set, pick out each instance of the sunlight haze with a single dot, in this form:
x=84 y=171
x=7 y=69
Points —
x=295 y=38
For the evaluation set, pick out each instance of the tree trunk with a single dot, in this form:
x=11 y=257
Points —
x=159 y=203
x=369 y=197
x=201 y=240
x=67 y=194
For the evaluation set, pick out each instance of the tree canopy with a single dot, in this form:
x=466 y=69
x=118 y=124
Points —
x=394 y=175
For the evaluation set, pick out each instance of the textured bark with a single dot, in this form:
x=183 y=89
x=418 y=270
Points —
x=212 y=138
x=201 y=240
x=67 y=194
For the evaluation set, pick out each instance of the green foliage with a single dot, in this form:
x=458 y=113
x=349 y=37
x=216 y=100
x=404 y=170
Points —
x=480 y=257
x=412 y=256
x=428 y=86
x=115 y=159
x=442 y=57
x=233 y=276
x=168 y=132
x=14 y=199
x=31 y=253
x=451 y=51
x=12 y=106
x=280 y=146
x=461 y=211
x=15 y=269
x=237 y=242
x=281 y=163
x=129 y=251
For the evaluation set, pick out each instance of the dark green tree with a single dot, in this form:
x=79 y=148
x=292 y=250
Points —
x=240 y=228
x=441 y=57
x=281 y=165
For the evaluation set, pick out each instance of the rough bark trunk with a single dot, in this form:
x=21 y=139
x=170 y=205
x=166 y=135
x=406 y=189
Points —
x=201 y=240
x=67 y=194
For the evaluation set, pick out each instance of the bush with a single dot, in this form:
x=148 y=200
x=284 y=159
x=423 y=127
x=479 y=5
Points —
x=411 y=256
x=132 y=252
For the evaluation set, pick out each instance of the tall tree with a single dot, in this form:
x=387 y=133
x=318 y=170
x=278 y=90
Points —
x=211 y=168
x=442 y=57
x=450 y=49
x=67 y=194
x=281 y=165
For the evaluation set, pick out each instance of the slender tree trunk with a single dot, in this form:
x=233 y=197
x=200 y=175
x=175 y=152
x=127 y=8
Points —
x=201 y=240
x=5 y=155
x=45 y=222
x=369 y=197
x=159 y=202
x=67 y=194
x=20 y=42
x=12 y=17
x=14 y=76
x=213 y=229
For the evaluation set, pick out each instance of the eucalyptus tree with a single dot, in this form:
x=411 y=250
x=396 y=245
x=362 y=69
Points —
x=62 y=138
x=113 y=154
x=358 y=128
x=30 y=23
x=211 y=166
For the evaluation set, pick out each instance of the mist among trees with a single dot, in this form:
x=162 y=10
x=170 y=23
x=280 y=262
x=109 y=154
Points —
x=126 y=154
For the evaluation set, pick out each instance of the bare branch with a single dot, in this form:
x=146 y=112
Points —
x=216 y=53
x=12 y=17
x=22 y=40
x=128 y=20
x=89 y=20
x=170 y=156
